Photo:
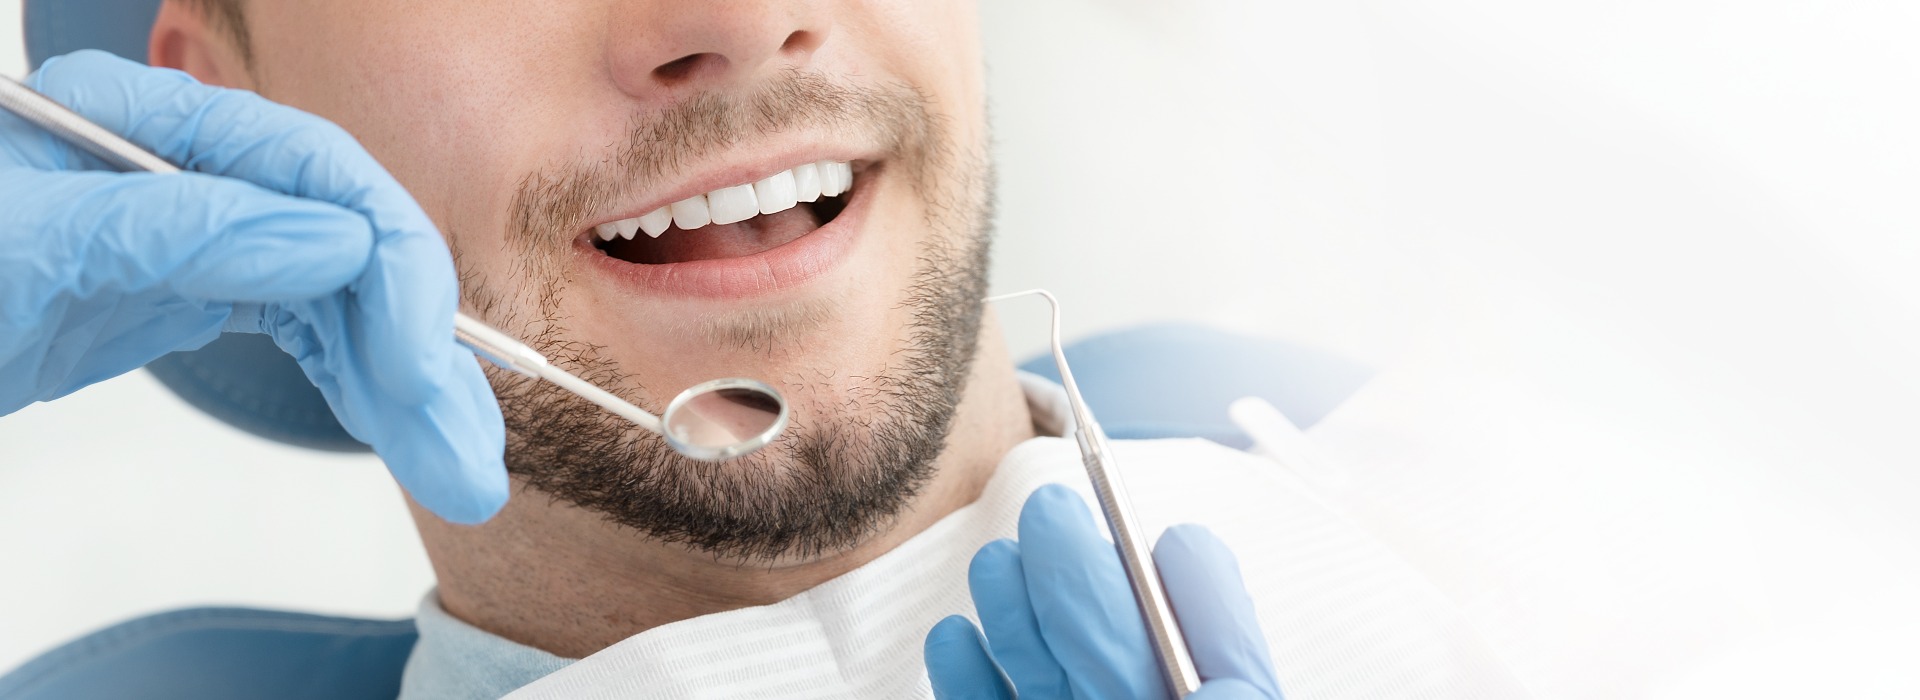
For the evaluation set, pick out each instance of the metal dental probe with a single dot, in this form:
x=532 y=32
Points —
x=1136 y=556
x=471 y=332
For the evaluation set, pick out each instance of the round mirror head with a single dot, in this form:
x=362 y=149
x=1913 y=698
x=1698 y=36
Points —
x=724 y=418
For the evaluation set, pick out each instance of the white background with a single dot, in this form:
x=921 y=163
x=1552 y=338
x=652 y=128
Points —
x=1725 y=190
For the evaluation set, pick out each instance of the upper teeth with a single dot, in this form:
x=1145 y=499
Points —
x=777 y=193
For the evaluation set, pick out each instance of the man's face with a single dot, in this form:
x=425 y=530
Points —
x=522 y=126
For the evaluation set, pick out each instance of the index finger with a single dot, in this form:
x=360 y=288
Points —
x=408 y=293
x=1082 y=599
x=1203 y=584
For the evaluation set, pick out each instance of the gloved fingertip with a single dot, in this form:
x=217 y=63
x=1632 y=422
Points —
x=38 y=78
x=482 y=500
x=1204 y=584
x=93 y=61
x=994 y=562
x=1187 y=543
x=996 y=581
x=449 y=453
x=1056 y=496
x=1055 y=510
x=958 y=664
x=468 y=493
x=951 y=630
x=84 y=61
x=1191 y=555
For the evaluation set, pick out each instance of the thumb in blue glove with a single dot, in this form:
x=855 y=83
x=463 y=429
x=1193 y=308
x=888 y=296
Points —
x=286 y=226
x=1060 y=620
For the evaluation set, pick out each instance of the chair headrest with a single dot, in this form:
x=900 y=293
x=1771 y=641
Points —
x=55 y=27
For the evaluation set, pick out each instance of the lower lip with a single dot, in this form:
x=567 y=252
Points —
x=784 y=267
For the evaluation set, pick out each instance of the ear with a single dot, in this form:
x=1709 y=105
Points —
x=185 y=39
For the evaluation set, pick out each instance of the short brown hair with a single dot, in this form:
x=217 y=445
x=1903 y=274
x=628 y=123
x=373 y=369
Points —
x=230 y=17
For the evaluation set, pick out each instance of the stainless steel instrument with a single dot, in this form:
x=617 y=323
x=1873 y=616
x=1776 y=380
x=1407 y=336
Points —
x=1136 y=554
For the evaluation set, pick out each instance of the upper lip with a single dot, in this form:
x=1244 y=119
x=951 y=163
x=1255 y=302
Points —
x=738 y=166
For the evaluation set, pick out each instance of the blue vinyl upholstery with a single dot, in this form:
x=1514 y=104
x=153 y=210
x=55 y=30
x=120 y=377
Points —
x=1176 y=379
x=54 y=27
x=222 y=653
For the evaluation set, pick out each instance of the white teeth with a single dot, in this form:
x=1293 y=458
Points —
x=733 y=204
x=691 y=213
x=829 y=186
x=656 y=222
x=832 y=181
x=806 y=182
x=777 y=193
x=781 y=191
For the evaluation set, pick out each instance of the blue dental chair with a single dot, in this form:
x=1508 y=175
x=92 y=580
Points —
x=1154 y=381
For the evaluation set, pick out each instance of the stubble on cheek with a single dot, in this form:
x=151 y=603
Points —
x=762 y=330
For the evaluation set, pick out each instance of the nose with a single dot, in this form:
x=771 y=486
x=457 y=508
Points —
x=690 y=45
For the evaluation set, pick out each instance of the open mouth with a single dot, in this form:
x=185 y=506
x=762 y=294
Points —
x=732 y=222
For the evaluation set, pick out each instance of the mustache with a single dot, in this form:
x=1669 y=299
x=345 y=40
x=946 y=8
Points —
x=561 y=197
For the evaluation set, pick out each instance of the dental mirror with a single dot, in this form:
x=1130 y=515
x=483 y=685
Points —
x=723 y=419
x=710 y=421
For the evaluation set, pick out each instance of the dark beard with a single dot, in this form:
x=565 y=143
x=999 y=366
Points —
x=831 y=480
x=822 y=487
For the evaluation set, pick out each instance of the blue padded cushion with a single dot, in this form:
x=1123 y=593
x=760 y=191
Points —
x=248 y=382
x=1176 y=380
x=222 y=653
x=54 y=27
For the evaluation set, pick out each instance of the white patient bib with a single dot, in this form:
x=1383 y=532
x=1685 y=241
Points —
x=1345 y=616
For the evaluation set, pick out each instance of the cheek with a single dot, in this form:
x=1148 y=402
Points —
x=459 y=99
x=932 y=44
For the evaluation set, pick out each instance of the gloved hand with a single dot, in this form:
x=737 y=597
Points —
x=1061 y=621
x=288 y=227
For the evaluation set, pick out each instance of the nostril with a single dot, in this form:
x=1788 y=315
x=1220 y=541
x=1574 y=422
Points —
x=685 y=67
x=800 y=41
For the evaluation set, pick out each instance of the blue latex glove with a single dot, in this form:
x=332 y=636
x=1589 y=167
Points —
x=287 y=227
x=1061 y=622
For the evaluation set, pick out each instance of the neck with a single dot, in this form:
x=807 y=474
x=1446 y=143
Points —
x=555 y=577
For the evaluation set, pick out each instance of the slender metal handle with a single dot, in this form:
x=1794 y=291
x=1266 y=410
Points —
x=1136 y=556
x=490 y=342
x=42 y=111
x=496 y=346
x=503 y=350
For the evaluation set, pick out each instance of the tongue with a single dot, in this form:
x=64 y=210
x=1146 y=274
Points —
x=758 y=234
